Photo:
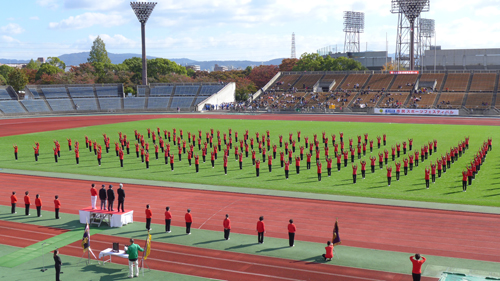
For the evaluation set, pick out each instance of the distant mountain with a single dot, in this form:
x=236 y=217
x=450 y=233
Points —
x=13 y=61
x=78 y=58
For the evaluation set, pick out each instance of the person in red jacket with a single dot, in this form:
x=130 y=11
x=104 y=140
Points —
x=439 y=167
x=172 y=162
x=380 y=160
x=291 y=233
x=354 y=172
x=329 y=251
x=417 y=266
x=339 y=161
x=363 y=168
x=329 y=165
x=372 y=163
x=57 y=206
x=225 y=164
x=168 y=219
x=189 y=220
x=16 y=150
x=405 y=165
x=287 y=168
x=99 y=155
x=147 y=160
x=27 y=203
x=260 y=230
x=38 y=204
x=464 y=181
x=149 y=215
x=93 y=196
x=55 y=153
x=257 y=167
x=389 y=175
x=227 y=226
x=318 y=164
x=270 y=162
x=35 y=148
x=398 y=170
x=427 y=176
x=120 y=153
x=297 y=164
x=13 y=201
x=433 y=172
x=197 y=163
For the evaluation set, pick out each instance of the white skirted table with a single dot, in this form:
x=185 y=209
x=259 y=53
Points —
x=109 y=253
x=113 y=219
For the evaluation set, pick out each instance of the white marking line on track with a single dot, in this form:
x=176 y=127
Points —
x=258 y=264
x=217 y=213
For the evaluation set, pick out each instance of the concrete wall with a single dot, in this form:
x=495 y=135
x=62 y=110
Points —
x=227 y=94
x=463 y=59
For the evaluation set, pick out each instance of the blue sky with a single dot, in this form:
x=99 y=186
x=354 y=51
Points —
x=256 y=30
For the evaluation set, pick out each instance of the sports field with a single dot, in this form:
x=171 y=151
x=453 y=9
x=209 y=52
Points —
x=377 y=238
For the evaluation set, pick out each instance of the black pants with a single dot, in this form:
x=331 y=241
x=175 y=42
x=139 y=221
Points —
x=270 y=168
x=121 y=163
x=464 y=185
x=148 y=224
x=260 y=237
x=137 y=154
x=13 y=210
x=405 y=170
x=439 y=173
x=338 y=166
x=98 y=161
x=167 y=225
x=257 y=171
x=128 y=151
x=416 y=161
x=147 y=164
x=226 y=233
x=319 y=176
x=57 y=213
x=213 y=163
x=411 y=166
x=389 y=181
x=120 y=204
x=58 y=272
x=416 y=276
x=286 y=174
x=15 y=154
x=353 y=178
x=393 y=158
x=373 y=168
x=380 y=165
x=36 y=157
x=470 y=180
x=345 y=162
x=38 y=210
x=352 y=158
x=433 y=177
x=427 y=183
x=188 y=227
x=55 y=157
x=298 y=169
x=180 y=157
x=329 y=170
x=27 y=209
x=291 y=239
x=110 y=205
x=386 y=160
x=172 y=166
x=197 y=167
x=308 y=164
x=241 y=165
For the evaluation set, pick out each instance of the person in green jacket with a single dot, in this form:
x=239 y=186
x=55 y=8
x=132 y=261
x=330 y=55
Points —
x=133 y=254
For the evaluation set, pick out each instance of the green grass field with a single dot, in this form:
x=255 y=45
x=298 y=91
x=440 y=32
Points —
x=485 y=189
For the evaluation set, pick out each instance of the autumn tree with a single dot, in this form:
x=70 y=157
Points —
x=288 y=64
x=17 y=79
x=48 y=69
x=261 y=75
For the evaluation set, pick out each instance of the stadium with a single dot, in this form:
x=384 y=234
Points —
x=351 y=172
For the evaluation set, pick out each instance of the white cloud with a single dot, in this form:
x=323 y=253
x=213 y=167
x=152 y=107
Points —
x=11 y=28
x=51 y=4
x=8 y=39
x=87 y=20
x=34 y=18
x=92 y=4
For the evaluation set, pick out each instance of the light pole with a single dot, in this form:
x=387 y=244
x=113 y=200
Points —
x=143 y=10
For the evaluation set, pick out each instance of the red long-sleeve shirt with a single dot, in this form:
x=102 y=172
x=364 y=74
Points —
x=417 y=264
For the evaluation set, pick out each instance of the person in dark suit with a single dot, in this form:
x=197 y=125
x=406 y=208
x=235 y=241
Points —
x=121 y=197
x=103 y=197
x=57 y=264
x=111 y=198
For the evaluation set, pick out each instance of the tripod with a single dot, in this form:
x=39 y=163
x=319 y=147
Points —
x=43 y=259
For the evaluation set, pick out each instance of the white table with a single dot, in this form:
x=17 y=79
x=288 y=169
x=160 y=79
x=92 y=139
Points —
x=109 y=253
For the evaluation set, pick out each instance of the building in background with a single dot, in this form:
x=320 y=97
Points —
x=193 y=67
x=372 y=60
x=461 y=59
x=220 y=68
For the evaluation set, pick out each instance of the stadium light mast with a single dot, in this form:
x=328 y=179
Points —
x=354 y=25
x=427 y=30
x=293 y=55
x=411 y=10
x=143 y=10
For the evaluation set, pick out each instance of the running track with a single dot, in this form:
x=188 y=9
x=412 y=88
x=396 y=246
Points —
x=205 y=263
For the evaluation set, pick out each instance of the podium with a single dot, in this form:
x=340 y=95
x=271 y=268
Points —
x=112 y=219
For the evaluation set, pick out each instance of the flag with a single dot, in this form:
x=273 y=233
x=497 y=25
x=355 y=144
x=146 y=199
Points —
x=336 y=237
x=86 y=239
x=148 y=247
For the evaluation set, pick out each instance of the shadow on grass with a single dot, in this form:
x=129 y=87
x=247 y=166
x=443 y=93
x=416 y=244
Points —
x=272 y=249
x=209 y=242
x=241 y=246
x=491 y=195
x=111 y=273
x=312 y=260
x=415 y=189
x=379 y=186
x=453 y=192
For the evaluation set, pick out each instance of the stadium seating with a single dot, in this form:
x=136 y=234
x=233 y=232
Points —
x=404 y=82
x=61 y=105
x=370 y=99
x=163 y=91
x=11 y=107
x=483 y=82
x=285 y=82
x=329 y=78
x=208 y=90
x=134 y=103
x=34 y=91
x=158 y=102
x=308 y=81
x=186 y=90
x=393 y=100
x=55 y=93
x=109 y=104
x=200 y=99
x=81 y=92
x=107 y=91
x=456 y=82
x=422 y=100
x=4 y=95
x=438 y=77
x=181 y=102
x=450 y=100
x=379 y=82
x=85 y=104
x=479 y=100
x=141 y=91
x=353 y=80
x=35 y=106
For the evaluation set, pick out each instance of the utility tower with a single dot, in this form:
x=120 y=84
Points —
x=294 y=55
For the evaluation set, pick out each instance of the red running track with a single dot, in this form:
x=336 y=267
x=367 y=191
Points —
x=206 y=263
x=410 y=230
x=17 y=126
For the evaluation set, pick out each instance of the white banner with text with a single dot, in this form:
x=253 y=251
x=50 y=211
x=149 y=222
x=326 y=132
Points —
x=416 y=111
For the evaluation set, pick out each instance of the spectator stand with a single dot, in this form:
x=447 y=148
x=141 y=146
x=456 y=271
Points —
x=110 y=97
x=57 y=97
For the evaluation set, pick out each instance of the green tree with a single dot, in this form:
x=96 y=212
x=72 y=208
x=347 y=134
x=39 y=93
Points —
x=134 y=65
x=5 y=70
x=160 y=66
x=3 y=81
x=48 y=69
x=248 y=70
x=17 y=79
x=309 y=62
x=55 y=61
x=33 y=65
x=98 y=52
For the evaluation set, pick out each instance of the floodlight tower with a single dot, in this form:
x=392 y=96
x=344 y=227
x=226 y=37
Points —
x=427 y=30
x=409 y=10
x=143 y=10
x=354 y=25
x=294 y=55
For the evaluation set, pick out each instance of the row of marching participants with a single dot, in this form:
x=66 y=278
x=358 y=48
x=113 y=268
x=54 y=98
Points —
x=471 y=170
